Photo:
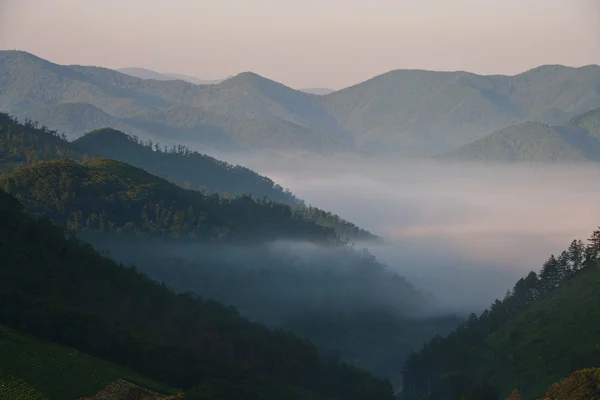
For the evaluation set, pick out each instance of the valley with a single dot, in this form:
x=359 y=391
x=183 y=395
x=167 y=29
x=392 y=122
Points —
x=317 y=203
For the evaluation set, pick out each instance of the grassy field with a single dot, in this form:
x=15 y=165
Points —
x=37 y=370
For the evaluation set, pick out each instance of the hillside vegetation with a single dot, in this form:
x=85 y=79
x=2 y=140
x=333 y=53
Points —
x=109 y=196
x=59 y=289
x=544 y=329
x=28 y=143
x=407 y=112
x=576 y=141
x=32 y=369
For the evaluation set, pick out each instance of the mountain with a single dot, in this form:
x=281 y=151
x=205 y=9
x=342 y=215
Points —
x=318 y=91
x=419 y=112
x=524 y=142
x=578 y=140
x=544 y=329
x=23 y=144
x=107 y=195
x=57 y=289
x=279 y=265
x=144 y=73
x=276 y=266
x=403 y=112
x=193 y=170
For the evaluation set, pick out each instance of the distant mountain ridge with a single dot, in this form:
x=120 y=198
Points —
x=144 y=73
x=577 y=140
x=402 y=112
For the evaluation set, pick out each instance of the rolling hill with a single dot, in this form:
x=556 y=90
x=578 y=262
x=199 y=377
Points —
x=57 y=289
x=578 y=140
x=404 y=112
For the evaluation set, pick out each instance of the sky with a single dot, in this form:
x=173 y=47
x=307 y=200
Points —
x=306 y=43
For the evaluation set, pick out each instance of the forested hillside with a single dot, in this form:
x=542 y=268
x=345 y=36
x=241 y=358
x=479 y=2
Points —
x=110 y=196
x=544 y=329
x=28 y=143
x=59 y=289
x=182 y=166
x=251 y=253
x=255 y=255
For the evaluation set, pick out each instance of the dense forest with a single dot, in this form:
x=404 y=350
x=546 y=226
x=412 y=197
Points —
x=542 y=330
x=57 y=288
x=29 y=143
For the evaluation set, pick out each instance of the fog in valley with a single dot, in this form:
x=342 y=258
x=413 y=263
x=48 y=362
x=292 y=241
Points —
x=465 y=232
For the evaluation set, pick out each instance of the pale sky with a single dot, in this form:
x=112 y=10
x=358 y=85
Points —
x=306 y=43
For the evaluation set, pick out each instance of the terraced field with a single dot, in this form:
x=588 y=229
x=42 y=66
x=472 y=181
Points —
x=32 y=369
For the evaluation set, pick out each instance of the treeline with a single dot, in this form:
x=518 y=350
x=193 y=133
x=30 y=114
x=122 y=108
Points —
x=29 y=143
x=59 y=289
x=455 y=365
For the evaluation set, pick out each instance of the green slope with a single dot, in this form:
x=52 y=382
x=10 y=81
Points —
x=544 y=329
x=531 y=142
x=404 y=112
x=30 y=366
x=551 y=339
x=58 y=289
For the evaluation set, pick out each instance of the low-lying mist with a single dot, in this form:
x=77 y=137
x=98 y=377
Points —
x=342 y=299
x=465 y=232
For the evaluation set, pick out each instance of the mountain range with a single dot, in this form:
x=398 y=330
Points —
x=402 y=112
x=144 y=73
